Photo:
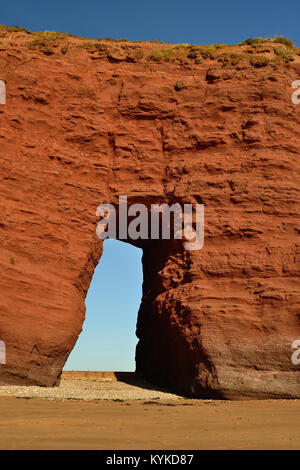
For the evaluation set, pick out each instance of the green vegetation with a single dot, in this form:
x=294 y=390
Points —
x=260 y=49
x=259 y=52
x=284 y=55
x=282 y=40
x=12 y=260
x=183 y=45
x=102 y=49
x=14 y=29
x=46 y=41
x=201 y=52
x=258 y=41
x=53 y=35
x=139 y=54
x=42 y=46
x=259 y=61
x=88 y=45
x=182 y=52
x=252 y=42
x=179 y=86
x=230 y=58
x=161 y=55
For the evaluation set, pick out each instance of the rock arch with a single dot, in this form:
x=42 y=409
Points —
x=78 y=133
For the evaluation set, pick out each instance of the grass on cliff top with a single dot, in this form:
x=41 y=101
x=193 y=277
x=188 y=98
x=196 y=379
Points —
x=259 y=41
x=257 y=52
x=14 y=29
x=55 y=35
x=276 y=50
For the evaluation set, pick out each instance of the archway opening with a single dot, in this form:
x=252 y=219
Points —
x=108 y=341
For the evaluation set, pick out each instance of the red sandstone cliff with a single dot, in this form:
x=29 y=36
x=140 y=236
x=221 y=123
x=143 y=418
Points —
x=87 y=121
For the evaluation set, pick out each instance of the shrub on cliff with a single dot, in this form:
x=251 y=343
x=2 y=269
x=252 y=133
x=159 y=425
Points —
x=259 y=61
x=166 y=55
x=159 y=55
x=252 y=42
x=139 y=54
x=201 y=52
x=284 y=55
x=282 y=40
x=40 y=45
x=230 y=58
x=258 y=41
x=179 y=86
x=14 y=29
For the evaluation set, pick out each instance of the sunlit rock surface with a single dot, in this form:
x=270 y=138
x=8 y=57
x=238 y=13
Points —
x=83 y=125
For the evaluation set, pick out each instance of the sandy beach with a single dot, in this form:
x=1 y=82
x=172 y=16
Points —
x=126 y=416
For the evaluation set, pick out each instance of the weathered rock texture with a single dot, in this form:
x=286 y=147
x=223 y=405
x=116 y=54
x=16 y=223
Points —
x=83 y=125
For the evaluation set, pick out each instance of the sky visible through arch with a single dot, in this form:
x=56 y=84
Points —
x=108 y=340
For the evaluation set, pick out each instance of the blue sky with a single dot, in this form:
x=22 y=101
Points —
x=176 y=21
x=108 y=338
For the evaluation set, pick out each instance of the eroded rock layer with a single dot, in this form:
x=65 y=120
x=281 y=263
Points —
x=83 y=125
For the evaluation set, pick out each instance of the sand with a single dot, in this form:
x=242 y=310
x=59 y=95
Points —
x=136 y=389
x=149 y=421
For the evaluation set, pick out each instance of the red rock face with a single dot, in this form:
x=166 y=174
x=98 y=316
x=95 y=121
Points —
x=77 y=132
